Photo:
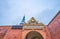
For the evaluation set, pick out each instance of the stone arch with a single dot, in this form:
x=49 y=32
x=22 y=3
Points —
x=33 y=35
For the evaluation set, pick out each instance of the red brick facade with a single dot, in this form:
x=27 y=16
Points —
x=54 y=27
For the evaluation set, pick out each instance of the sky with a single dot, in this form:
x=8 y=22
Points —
x=12 y=11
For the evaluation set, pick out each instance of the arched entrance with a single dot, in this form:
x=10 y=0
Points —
x=34 y=35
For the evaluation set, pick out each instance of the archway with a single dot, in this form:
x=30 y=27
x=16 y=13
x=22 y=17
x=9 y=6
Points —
x=34 y=35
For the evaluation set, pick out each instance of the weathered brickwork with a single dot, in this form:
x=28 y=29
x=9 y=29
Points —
x=13 y=34
x=54 y=27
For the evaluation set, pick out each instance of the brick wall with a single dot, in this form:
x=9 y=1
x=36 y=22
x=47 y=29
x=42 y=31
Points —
x=54 y=27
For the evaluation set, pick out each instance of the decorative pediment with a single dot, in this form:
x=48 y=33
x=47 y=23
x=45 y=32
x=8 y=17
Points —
x=32 y=20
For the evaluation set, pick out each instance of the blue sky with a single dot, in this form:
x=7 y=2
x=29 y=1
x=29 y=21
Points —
x=12 y=11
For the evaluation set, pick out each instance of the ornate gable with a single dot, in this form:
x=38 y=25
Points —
x=32 y=20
